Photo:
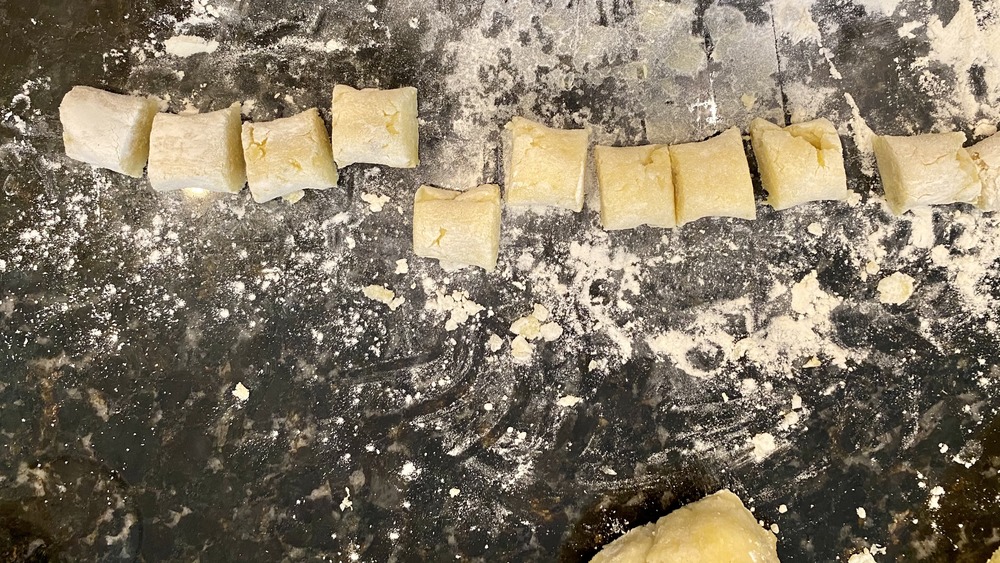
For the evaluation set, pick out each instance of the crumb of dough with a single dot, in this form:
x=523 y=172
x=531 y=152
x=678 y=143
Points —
x=375 y=202
x=895 y=289
x=383 y=295
x=241 y=392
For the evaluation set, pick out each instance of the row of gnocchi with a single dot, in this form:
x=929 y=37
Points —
x=656 y=185
x=668 y=186
x=215 y=151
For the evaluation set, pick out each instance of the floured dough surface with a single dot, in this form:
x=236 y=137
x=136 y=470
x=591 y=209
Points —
x=636 y=186
x=374 y=126
x=986 y=155
x=924 y=170
x=458 y=228
x=712 y=179
x=546 y=165
x=107 y=130
x=288 y=155
x=799 y=163
x=199 y=150
x=716 y=529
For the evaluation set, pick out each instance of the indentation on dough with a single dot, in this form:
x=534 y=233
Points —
x=437 y=241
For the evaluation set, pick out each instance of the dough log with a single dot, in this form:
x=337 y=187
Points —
x=458 y=228
x=546 y=165
x=712 y=178
x=288 y=155
x=636 y=186
x=799 y=163
x=199 y=150
x=375 y=126
x=107 y=130
x=925 y=170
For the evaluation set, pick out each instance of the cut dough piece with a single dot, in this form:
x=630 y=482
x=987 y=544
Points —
x=107 y=130
x=925 y=170
x=799 y=163
x=288 y=155
x=375 y=126
x=716 y=528
x=712 y=178
x=458 y=228
x=200 y=150
x=546 y=165
x=636 y=186
x=986 y=155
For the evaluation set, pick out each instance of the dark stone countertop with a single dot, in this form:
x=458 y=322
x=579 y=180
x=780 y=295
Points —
x=127 y=317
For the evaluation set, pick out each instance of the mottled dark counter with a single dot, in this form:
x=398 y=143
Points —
x=127 y=317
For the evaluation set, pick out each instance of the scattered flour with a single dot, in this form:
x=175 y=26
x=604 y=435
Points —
x=187 y=45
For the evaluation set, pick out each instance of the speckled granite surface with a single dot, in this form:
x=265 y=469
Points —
x=127 y=317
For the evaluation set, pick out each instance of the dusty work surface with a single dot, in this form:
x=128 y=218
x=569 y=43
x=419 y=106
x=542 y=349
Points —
x=752 y=355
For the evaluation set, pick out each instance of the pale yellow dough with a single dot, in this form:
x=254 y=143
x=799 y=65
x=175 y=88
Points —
x=799 y=163
x=986 y=155
x=458 y=228
x=636 y=186
x=288 y=155
x=995 y=558
x=925 y=170
x=107 y=130
x=712 y=179
x=199 y=150
x=546 y=165
x=716 y=529
x=374 y=126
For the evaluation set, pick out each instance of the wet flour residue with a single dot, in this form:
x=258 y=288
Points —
x=290 y=378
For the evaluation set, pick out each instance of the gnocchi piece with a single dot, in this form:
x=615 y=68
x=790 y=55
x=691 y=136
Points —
x=375 y=126
x=712 y=178
x=107 y=130
x=986 y=155
x=546 y=165
x=716 y=528
x=635 y=185
x=200 y=150
x=288 y=155
x=799 y=163
x=923 y=170
x=458 y=228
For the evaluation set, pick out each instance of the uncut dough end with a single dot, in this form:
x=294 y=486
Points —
x=716 y=528
x=712 y=179
x=546 y=165
x=107 y=130
x=458 y=228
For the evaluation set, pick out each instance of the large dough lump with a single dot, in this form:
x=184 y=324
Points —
x=546 y=165
x=799 y=163
x=716 y=529
x=107 y=130
x=287 y=155
x=636 y=186
x=200 y=150
x=712 y=178
x=925 y=170
x=375 y=126
x=458 y=228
